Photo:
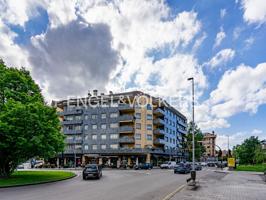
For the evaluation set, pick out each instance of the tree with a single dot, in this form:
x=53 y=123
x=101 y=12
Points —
x=28 y=127
x=260 y=155
x=247 y=150
x=199 y=148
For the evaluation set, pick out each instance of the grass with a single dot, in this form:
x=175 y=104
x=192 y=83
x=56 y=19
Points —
x=33 y=177
x=252 y=168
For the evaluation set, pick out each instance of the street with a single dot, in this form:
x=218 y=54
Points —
x=115 y=184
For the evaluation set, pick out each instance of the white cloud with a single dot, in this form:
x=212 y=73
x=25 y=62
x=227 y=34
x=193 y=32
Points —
x=254 y=11
x=239 y=90
x=219 y=38
x=221 y=58
x=222 y=13
x=249 y=42
x=238 y=138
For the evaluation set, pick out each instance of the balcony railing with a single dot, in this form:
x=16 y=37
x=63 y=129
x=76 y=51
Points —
x=158 y=141
x=69 y=132
x=126 y=107
x=71 y=112
x=158 y=121
x=159 y=131
x=126 y=118
x=73 y=141
x=127 y=140
x=182 y=131
x=123 y=129
x=67 y=122
x=72 y=151
x=182 y=123
x=158 y=111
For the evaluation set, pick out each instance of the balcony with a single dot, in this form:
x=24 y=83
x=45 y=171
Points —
x=159 y=131
x=158 y=141
x=126 y=118
x=126 y=108
x=73 y=141
x=71 y=112
x=126 y=129
x=72 y=151
x=65 y=122
x=158 y=112
x=182 y=123
x=127 y=140
x=72 y=132
x=182 y=131
x=158 y=121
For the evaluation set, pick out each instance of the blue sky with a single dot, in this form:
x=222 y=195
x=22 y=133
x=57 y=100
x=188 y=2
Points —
x=151 y=46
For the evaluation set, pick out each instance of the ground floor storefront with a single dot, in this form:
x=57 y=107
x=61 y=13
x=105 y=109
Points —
x=114 y=160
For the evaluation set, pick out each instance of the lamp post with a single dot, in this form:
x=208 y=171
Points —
x=193 y=172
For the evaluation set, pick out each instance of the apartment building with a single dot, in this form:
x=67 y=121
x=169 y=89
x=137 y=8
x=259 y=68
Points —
x=120 y=129
x=209 y=142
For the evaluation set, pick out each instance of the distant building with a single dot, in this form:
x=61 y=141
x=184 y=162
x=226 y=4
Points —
x=209 y=142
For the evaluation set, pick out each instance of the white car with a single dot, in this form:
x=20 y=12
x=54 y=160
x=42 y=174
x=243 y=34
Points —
x=168 y=165
x=203 y=164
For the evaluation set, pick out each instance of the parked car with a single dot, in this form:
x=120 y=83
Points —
x=143 y=166
x=182 y=169
x=38 y=164
x=25 y=165
x=198 y=167
x=92 y=171
x=203 y=164
x=211 y=164
x=168 y=165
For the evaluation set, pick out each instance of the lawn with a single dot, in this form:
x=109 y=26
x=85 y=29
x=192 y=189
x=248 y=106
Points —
x=252 y=168
x=33 y=177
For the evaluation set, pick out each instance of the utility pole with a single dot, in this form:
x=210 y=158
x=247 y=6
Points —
x=228 y=146
x=193 y=172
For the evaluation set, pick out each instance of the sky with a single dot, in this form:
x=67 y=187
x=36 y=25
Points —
x=72 y=46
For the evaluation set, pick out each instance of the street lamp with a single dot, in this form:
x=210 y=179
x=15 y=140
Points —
x=193 y=172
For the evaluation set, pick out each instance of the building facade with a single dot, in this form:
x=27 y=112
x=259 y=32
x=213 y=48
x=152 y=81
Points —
x=120 y=129
x=209 y=142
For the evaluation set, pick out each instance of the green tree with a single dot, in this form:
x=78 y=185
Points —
x=199 y=148
x=28 y=127
x=260 y=155
x=247 y=150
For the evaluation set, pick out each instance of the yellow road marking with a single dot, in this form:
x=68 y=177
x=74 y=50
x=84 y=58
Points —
x=170 y=195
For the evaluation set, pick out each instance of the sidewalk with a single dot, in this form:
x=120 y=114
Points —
x=226 y=186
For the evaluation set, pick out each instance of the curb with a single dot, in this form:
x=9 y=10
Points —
x=45 y=182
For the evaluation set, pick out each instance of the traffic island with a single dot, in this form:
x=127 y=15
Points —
x=23 y=178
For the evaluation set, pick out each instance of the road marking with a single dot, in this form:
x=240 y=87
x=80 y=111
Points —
x=170 y=195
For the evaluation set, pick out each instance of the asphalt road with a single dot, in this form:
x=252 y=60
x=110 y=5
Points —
x=114 y=185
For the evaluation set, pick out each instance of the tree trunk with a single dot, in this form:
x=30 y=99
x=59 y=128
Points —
x=5 y=170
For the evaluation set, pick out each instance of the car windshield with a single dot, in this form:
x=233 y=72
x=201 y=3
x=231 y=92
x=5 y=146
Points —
x=91 y=168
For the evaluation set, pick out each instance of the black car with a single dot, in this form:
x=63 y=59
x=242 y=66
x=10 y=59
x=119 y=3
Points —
x=143 y=166
x=182 y=169
x=92 y=171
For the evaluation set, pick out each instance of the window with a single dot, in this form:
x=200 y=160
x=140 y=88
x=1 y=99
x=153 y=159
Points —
x=114 y=146
x=138 y=115
x=103 y=126
x=149 y=117
x=137 y=146
x=138 y=136
x=86 y=147
x=86 y=137
x=94 y=146
x=78 y=128
x=166 y=139
x=103 y=115
x=86 y=127
x=114 y=136
x=103 y=136
x=78 y=117
x=86 y=117
x=103 y=146
x=113 y=115
x=170 y=140
x=149 y=137
x=94 y=116
x=94 y=137
x=94 y=126
x=69 y=137
x=149 y=127
x=138 y=126
x=148 y=107
x=114 y=125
